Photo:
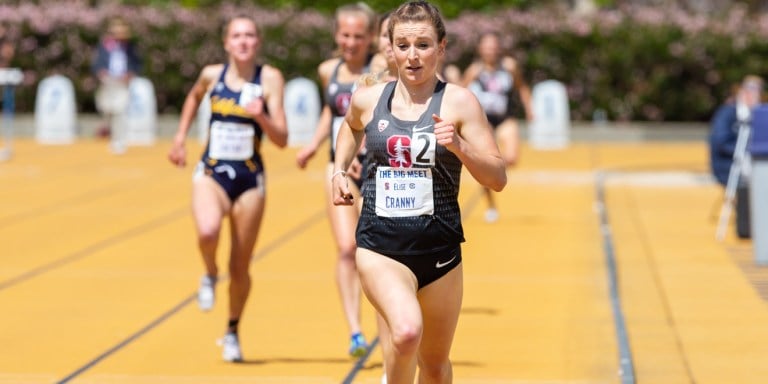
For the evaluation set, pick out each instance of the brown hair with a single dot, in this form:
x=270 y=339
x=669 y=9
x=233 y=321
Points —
x=418 y=11
x=242 y=16
x=359 y=8
x=382 y=17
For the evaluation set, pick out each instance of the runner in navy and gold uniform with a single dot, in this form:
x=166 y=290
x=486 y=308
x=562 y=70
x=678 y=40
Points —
x=419 y=133
x=246 y=104
x=495 y=78
x=355 y=29
x=231 y=154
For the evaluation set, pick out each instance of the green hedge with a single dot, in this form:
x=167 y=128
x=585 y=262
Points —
x=637 y=64
x=449 y=8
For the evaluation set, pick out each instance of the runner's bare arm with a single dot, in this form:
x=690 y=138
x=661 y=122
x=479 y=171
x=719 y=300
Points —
x=464 y=130
x=209 y=74
x=273 y=124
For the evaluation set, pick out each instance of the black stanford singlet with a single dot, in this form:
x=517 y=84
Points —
x=337 y=97
x=411 y=188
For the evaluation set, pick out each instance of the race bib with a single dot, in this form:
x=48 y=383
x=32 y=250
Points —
x=492 y=103
x=335 y=127
x=231 y=141
x=249 y=92
x=404 y=192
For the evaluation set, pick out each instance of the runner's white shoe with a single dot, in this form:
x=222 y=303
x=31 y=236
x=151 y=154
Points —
x=491 y=215
x=206 y=294
x=231 y=348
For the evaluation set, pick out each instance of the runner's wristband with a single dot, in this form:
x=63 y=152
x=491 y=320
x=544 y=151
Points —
x=343 y=173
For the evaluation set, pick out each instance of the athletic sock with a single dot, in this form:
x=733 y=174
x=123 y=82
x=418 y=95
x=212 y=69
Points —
x=232 y=326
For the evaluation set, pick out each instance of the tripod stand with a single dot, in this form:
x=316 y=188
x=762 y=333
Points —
x=740 y=161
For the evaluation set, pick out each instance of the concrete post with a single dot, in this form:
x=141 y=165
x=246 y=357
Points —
x=758 y=149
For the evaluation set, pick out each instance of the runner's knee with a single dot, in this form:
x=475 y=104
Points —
x=406 y=337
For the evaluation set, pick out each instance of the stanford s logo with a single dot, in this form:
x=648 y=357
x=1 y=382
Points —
x=342 y=102
x=399 y=151
x=383 y=124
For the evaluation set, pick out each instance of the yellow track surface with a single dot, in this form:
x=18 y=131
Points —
x=98 y=268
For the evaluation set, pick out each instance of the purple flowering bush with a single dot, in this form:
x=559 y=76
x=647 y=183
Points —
x=174 y=43
x=638 y=63
x=646 y=64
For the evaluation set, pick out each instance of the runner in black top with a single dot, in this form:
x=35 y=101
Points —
x=495 y=78
x=355 y=25
x=419 y=132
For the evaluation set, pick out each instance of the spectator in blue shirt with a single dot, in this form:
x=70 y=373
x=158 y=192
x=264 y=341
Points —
x=725 y=125
x=115 y=63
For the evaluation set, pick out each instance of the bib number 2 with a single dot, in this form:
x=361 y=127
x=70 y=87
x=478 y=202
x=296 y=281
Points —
x=418 y=149
x=403 y=190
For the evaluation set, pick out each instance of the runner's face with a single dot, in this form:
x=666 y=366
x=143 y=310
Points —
x=385 y=47
x=416 y=50
x=353 y=36
x=488 y=49
x=242 y=40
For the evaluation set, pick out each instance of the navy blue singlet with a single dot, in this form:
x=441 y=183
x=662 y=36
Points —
x=231 y=154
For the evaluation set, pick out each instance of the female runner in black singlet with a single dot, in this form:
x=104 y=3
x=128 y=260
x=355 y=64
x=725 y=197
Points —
x=419 y=133
x=494 y=78
x=355 y=25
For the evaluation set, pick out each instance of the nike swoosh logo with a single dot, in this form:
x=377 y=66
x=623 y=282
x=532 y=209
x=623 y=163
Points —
x=419 y=129
x=440 y=265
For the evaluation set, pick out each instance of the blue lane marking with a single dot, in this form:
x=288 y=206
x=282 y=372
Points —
x=130 y=339
x=360 y=362
x=469 y=206
x=298 y=229
x=108 y=242
x=626 y=365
